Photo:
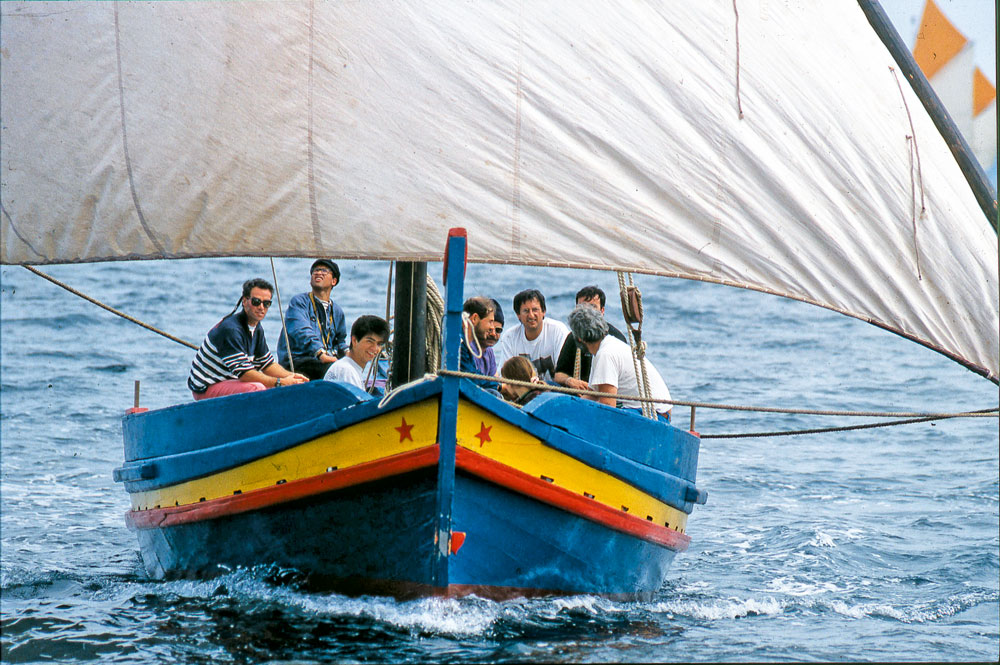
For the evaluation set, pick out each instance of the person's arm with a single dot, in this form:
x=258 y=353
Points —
x=287 y=378
x=565 y=365
x=605 y=388
x=271 y=375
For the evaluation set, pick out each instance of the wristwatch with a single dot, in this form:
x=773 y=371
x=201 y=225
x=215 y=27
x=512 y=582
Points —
x=277 y=384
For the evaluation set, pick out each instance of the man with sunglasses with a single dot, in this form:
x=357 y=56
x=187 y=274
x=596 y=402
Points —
x=317 y=330
x=234 y=357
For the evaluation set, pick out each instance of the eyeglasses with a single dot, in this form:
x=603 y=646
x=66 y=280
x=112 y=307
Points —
x=257 y=302
x=323 y=270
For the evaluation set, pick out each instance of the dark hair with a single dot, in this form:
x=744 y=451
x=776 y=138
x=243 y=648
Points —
x=524 y=296
x=369 y=323
x=256 y=283
x=518 y=368
x=588 y=293
x=478 y=305
x=497 y=312
x=587 y=324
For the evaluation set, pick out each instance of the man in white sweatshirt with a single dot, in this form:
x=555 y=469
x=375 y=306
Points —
x=535 y=337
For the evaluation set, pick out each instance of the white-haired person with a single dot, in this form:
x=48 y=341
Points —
x=612 y=370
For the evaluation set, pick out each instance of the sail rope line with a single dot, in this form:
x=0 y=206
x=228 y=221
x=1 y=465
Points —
x=632 y=312
x=992 y=412
x=109 y=308
x=911 y=140
x=436 y=305
x=920 y=417
x=385 y=351
x=281 y=312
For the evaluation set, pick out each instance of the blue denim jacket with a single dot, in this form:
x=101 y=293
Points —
x=306 y=331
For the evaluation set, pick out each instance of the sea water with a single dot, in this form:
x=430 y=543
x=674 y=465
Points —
x=877 y=544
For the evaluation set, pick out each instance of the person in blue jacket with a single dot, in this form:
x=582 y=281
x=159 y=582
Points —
x=476 y=356
x=317 y=331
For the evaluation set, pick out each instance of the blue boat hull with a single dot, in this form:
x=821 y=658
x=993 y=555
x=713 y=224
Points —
x=351 y=493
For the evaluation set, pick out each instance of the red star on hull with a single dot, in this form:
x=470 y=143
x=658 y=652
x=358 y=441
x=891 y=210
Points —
x=404 y=431
x=484 y=433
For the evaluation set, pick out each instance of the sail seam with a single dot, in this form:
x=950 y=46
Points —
x=515 y=231
x=739 y=103
x=313 y=210
x=128 y=159
x=10 y=222
x=914 y=158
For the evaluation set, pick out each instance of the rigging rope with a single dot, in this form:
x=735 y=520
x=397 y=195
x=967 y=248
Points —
x=632 y=311
x=435 y=314
x=281 y=311
x=982 y=413
x=109 y=308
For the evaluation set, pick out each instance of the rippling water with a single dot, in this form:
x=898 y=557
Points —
x=874 y=544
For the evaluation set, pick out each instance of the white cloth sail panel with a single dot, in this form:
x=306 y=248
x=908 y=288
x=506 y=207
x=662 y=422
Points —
x=587 y=133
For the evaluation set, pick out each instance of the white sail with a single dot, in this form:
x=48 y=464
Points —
x=595 y=134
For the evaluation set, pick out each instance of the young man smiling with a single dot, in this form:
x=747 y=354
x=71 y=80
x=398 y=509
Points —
x=317 y=331
x=537 y=338
x=234 y=357
x=368 y=336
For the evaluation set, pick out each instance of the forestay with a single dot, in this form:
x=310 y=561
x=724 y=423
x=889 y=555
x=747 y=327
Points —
x=587 y=133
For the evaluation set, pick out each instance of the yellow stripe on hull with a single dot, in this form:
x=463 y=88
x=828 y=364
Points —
x=399 y=431
x=484 y=433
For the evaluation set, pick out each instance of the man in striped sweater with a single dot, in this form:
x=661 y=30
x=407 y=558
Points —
x=234 y=357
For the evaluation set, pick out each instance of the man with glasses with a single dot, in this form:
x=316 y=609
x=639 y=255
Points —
x=234 y=357
x=368 y=335
x=317 y=331
x=537 y=338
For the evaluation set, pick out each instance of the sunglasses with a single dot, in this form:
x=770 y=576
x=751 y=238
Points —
x=322 y=270
x=257 y=302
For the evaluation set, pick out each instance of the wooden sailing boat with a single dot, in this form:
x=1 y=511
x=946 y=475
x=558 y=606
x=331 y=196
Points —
x=444 y=488
x=730 y=143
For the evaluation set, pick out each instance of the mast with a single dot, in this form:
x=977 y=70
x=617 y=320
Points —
x=408 y=350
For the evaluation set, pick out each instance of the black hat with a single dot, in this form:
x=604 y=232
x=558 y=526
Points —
x=497 y=312
x=329 y=264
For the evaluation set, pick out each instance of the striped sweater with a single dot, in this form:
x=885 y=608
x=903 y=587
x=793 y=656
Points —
x=228 y=352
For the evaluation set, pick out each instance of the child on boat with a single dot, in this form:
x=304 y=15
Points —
x=519 y=368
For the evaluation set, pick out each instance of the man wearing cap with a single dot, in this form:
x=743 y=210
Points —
x=317 y=331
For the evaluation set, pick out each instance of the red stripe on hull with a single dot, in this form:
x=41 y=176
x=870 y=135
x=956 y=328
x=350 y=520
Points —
x=536 y=488
x=290 y=491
